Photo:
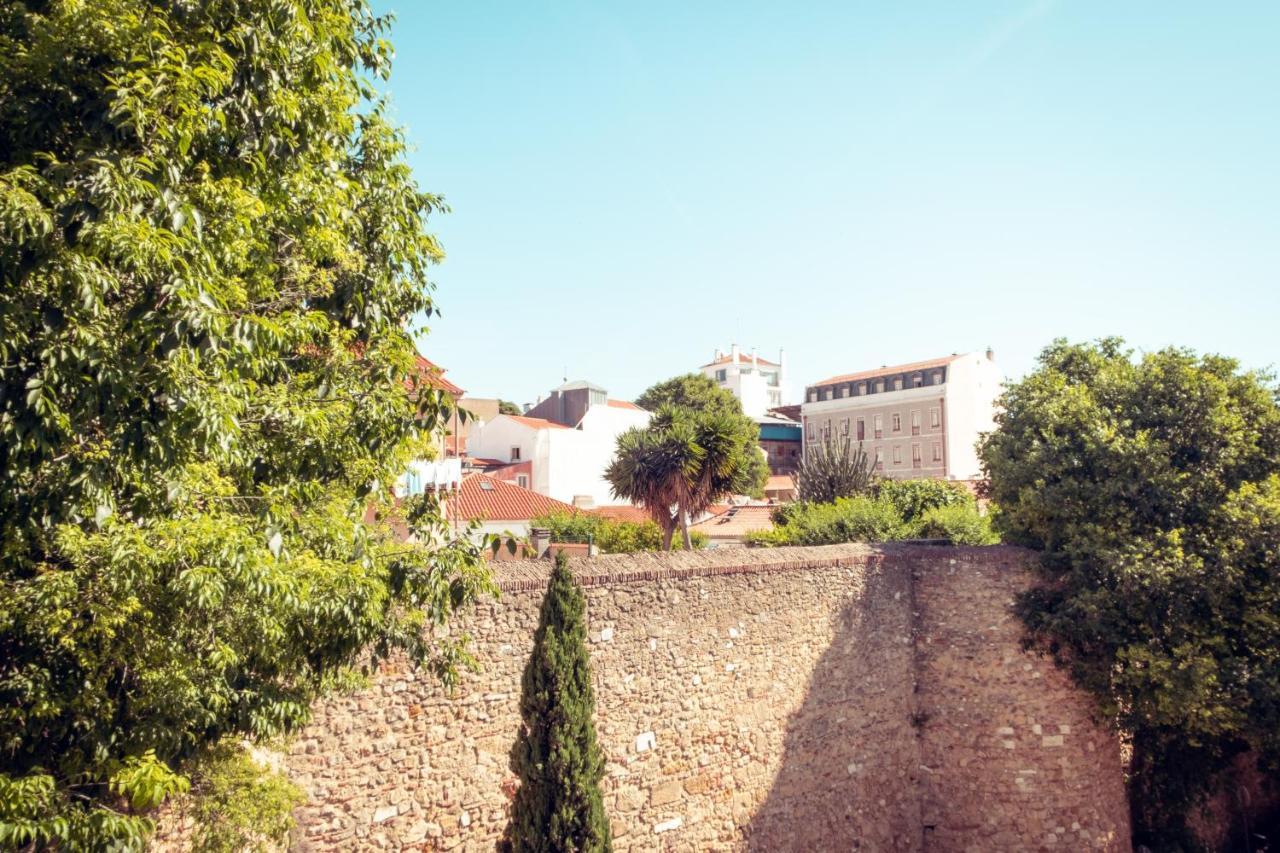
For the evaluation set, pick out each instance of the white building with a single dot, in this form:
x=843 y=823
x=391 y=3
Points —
x=563 y=445
x=759 y=384
x=922 y=419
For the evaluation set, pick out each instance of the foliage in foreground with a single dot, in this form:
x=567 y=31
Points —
x=559 y=805
x=610 y=535
x=240 y=806
x=210 y=247
x=1152 y=487
x=889 y=510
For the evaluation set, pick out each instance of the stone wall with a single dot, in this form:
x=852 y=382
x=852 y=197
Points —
x=790 y=699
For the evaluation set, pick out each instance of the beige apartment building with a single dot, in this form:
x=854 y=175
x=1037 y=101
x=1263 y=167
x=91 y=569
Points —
x=914 y=420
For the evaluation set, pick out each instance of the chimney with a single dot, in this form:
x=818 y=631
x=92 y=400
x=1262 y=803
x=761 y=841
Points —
x=733 y=350
x=991 y=354
x=755 y=359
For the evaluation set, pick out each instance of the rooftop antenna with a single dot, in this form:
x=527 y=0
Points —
x=566 y=373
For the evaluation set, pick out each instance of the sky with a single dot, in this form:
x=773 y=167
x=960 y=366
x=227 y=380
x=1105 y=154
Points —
x=633 y=185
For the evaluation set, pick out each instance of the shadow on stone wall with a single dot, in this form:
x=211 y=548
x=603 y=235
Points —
x=850 y=752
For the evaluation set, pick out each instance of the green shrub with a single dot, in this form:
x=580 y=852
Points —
x=914 y=498
x=610 y=536
x=856 y=519
x=960 y=524
x=240 y=805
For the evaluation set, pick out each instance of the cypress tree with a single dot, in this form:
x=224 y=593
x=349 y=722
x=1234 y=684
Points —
x=559 y=805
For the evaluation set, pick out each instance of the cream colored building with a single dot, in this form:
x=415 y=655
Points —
x=914 y=420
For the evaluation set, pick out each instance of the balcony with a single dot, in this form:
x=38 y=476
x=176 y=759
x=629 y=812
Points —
x=426 y=475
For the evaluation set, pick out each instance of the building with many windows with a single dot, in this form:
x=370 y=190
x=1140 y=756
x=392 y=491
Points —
x=914 y=420
x=759 y=384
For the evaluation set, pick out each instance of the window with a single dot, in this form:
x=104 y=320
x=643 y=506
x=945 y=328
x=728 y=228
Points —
x=937 y=377
x=826 y=394
x=897 y=383
x=858 y=389
x=808 y=429
x=515 y=454
x=917 y=380
x=826 y=430
x=522 y=480
x=840 y=391
x=937 y=451
x=813 y=395
x=915 y=423
x=935 y=418
x=722 y=375
x=897 y=422
x=879 y=385
x=862 y=429
x=844 y=428
x=916 y=461
x=897 y=454
x=879 y=426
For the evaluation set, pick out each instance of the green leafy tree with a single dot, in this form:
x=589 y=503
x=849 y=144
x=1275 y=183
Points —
x=699 y=393
x=506 y=407
x=682 y=463
x=1152 y=488
x=559 y=806
x=211 y=248
x=833 y=469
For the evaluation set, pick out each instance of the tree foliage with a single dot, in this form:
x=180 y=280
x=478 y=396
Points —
x=1152 y=487
x=682 y=463
x=833 y=469
x=699 y=393
x=506 y=407
x=210 y=249
x=611 y=536
x=559 y=806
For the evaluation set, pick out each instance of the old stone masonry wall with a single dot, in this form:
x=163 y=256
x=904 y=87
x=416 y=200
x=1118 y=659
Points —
x=794 y=699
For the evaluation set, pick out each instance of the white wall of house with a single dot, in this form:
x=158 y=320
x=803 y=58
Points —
x=973 y=384
x=757 y=385
x=568 y=464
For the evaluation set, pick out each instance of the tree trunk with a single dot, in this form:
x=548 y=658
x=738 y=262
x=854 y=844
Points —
x=668 y=533
x=684 y=530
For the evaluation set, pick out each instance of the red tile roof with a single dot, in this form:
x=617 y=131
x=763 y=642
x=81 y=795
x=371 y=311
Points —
x=624 y=404
x=779 y=483
x=535 y=423
x=486 y=498
x=433 y=375
x=736 y=521
x=622 y=513
x=893 y=368
x=743 y=358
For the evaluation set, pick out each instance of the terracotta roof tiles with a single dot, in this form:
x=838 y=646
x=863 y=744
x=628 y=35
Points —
x=485 y=498
x=893 y=368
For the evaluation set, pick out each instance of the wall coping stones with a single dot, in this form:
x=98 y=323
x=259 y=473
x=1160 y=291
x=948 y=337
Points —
x=649 y=566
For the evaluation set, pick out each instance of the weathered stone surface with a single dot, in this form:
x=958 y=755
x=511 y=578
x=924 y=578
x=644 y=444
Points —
x=780 y=699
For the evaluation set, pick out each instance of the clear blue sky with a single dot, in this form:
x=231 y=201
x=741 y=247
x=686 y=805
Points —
x=635 y=184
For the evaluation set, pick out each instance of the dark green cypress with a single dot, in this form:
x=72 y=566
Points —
x=559 y=806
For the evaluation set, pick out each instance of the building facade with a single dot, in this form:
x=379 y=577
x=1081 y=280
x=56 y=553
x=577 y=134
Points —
x=562 y=446
x=759 y=384
x=780 y=439
x=913 y=420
